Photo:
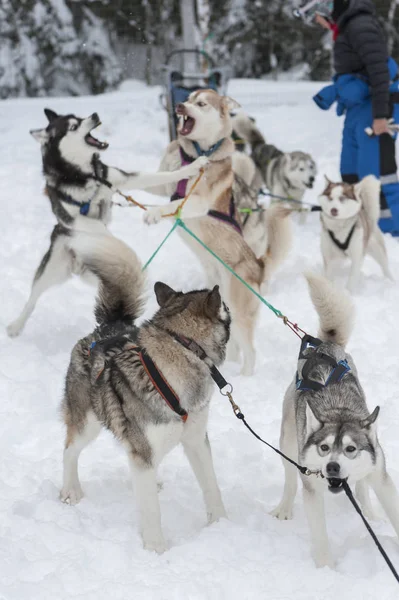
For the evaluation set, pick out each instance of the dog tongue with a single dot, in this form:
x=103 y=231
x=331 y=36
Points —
x=188 y=125
x=96 y=143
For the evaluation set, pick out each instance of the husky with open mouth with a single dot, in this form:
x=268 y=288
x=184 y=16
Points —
x=349 y=220
x=205 y=130
x=80 y=187
x=326 y=423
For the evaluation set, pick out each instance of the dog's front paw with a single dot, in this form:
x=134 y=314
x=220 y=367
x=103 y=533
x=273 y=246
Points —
x=155 y=544
x=71 y=495
x=152 y=216
x=216 y=513
x=324 y=560
x=282 y=512
x=15 y=328
x=197 y=165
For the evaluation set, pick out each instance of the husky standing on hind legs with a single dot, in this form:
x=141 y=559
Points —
x=117 y=378
x=326 y=423
x=205 y=129
x=80 y=188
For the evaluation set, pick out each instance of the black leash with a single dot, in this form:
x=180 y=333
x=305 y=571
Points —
x=355 y=505
x=223 y=384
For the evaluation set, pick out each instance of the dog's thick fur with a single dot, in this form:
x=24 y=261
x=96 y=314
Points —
x=344 y=207
x=109 y=387
x=285 y=174
x=332 y=429
x=72 y=168
x=209 y=121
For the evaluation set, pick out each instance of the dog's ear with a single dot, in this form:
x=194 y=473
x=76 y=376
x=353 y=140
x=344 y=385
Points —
x=40 y=135
x=229 y=104
x=213 y=303
x=163 y=293
x=50 y=114
x=371 y=419
x=312 y=422
x=328 y=181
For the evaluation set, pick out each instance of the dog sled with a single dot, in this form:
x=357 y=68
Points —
x=181 y=81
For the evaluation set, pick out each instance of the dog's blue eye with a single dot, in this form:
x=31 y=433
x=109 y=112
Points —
x=351 y=449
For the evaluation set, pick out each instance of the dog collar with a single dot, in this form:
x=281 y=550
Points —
x=339 y=369
x=211 y=150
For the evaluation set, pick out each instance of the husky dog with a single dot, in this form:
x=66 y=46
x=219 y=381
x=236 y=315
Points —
x=108 y=384
x=349 y=220
x=327 y=424
x=78 y=185
x=285 y=174
x=205 y=129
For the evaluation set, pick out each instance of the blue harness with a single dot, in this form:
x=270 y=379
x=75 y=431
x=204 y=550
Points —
x=339 y=369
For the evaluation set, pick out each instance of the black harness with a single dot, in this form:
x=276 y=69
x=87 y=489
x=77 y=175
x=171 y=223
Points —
x=342 y=245
x=339 y=369
x=154 y=374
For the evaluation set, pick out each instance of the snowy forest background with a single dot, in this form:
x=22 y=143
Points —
x=74 y=47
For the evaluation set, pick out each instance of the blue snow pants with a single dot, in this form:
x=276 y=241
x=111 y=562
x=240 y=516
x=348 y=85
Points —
x=363 y=155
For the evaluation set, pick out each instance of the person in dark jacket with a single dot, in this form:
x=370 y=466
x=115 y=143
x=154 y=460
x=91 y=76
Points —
x=362 y=87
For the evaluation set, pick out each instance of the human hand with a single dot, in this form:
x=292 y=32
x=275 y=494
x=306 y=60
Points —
x=380 y=126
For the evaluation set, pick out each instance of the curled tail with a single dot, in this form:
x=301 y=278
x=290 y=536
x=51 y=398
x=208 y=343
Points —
x=334 y=307
x=279 y=238
x=368 y=191
x=246 y=129
x=122 y=282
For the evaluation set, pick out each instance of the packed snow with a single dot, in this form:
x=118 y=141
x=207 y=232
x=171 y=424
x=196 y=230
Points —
x=92 y=551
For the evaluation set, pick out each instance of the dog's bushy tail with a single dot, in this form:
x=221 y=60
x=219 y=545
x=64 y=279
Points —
x=334 y=307
x=121 y=291
x=247 y=130
x=279 y=238
x=369 y=189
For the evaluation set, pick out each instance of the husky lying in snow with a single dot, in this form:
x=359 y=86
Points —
x=110 y=385
x=205 y=128
x=327 y=424
x=349 y=220
x=286 y=174
x=79 y=185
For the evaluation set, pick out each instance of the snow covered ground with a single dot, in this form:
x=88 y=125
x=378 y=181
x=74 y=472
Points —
x=50 y=551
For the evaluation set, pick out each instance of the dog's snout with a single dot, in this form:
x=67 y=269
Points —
x=333 y=469
x=334 y=212
x=95 y=117
x=180 y=108
x=311 y=179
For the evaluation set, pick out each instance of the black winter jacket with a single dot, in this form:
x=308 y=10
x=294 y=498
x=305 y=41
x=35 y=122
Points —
x=361 y=48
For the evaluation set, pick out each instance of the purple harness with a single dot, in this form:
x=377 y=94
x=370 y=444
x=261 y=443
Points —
x=181 y=190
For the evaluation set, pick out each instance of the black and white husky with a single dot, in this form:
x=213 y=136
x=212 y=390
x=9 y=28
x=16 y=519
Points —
x=80 y=189
x=326 y=423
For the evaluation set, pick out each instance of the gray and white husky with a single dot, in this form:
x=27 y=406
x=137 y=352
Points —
x=80 y=189
x=349 y=220
x=326 y=423
x=107 y=384
x=285 y=174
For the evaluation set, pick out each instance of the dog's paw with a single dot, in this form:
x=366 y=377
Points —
x=14 y=328
x=72 y=495
x=282 y=512
x=324 y=560
x=156 y=544
x=152 y=216
x=199 y=163
x=217 y=513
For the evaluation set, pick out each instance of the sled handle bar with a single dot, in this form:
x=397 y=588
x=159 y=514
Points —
x=191 y=51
